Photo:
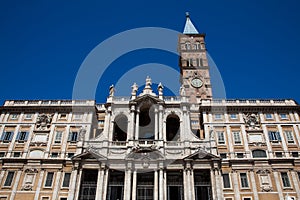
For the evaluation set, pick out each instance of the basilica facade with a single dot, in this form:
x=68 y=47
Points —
x=151 y=146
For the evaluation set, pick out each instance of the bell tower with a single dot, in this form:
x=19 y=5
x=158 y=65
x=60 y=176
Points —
x=194 y=69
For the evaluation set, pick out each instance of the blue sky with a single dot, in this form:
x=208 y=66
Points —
x=255 y=44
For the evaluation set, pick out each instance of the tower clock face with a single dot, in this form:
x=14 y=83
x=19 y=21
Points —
x=197 y=83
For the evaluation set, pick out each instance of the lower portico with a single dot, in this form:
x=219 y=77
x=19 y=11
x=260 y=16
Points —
x=193 y=177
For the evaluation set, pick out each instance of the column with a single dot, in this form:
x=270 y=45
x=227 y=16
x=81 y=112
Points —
x=73 y=182
x=192 y=185
x=160 y=122
x=253 y=183
x=137 y=125
x=296 y=185
x=165 y=183
x=105 y=182
x=127 y=185
x=278 y=186
x=156 y=185
x=99 y=184
x=134 y=185
x=230 y=143
x=185 y=184
x=161 y=184
x=245 y=140
x=56 y=186
x=219 y=191
x=39 y=185
x=78 y=185
x=296 y=131
x=15 y=187
x=284 y=144
x=235 y=183
x=132 y=125
x=213 y=184
x=155 y=124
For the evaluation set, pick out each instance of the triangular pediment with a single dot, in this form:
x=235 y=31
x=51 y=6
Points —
x=148 y=99
x=89 y=155
x=201 y=154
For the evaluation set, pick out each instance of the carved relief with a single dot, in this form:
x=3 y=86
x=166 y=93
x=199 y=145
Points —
x=43 y=121
x=252 y=120
x=265 y=183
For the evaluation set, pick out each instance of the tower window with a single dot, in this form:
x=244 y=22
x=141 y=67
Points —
x=188 y=46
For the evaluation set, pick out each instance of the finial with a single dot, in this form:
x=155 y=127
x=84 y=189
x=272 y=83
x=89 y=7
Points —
x=187 y=14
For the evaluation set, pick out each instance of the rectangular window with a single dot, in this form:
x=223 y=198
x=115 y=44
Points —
x=226 y=181
x=237 y=137
x=22 y=136
x=28 y=116
x=221 y=139
x=70 y=155
x=49 y=179
x=218 y=116
x=240 y=155
x=223 y=155
x=289 y=136
x=274 y=136
x=283 y=116
x=285 y=179
x=54 y=155
x=72 y=136
x=269 y=116
x=14 y=116
x=7 y=136
x=278 y=154
x=2 y=154
x=77 y=116
x=9 y=178
x=58 y=136
x=244 y=180
x=17 y=154
x=66 y=181
x=63 y=116
x=295 y=154
x=233 y=116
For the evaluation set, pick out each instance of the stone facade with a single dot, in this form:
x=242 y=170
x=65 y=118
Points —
x=151 y=146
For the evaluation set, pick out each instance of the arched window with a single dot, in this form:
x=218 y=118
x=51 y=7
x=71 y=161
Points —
x=146 y=122
x=173 y=127
x=120 y=128
x=259 y=153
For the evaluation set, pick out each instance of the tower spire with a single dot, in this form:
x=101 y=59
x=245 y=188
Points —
x=189 y=27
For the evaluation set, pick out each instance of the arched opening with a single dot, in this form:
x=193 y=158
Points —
x=259 y=153
x=173 y=125
x=120 y=128
x=146 y=122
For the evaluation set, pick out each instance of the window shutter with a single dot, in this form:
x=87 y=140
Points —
x=278 y=136
x=26 y=136
x=70 y=137
x=2 y=136
x=270 y=136
x=11 y=136
x=18 y=136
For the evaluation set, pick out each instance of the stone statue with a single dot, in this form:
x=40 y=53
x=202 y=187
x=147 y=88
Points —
x=82 y=133
x=252 y=120
x=148 y=82
x=134 y=88
x=111 y=91
x=160 y=89
x=182 y=91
